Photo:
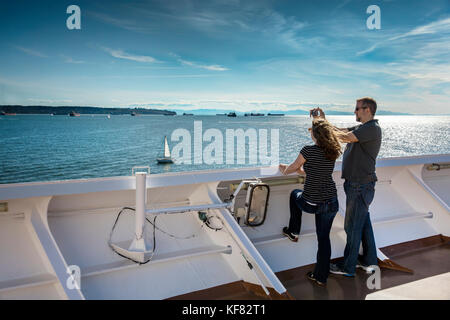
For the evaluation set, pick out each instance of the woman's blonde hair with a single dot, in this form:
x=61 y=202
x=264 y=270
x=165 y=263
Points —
x=326 y=138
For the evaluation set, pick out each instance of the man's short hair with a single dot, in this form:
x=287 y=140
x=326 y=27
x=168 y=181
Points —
x=370 y=103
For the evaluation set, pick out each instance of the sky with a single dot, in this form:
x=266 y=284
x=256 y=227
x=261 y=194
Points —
x=227 y=54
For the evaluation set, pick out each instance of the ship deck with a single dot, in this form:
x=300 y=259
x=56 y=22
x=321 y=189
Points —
x=426 y=257
x=47 y=227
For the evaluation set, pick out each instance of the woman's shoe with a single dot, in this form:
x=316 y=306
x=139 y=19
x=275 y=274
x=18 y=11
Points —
x=311 y=277
x=290 y=235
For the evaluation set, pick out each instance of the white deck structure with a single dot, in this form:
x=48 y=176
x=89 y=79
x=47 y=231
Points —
x=47 y=226
x=432 y=288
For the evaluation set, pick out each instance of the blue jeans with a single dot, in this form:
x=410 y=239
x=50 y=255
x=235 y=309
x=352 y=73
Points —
x=358 y=226
x=324 y=216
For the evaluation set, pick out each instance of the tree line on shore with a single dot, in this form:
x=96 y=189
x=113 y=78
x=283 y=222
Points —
x=64 y=110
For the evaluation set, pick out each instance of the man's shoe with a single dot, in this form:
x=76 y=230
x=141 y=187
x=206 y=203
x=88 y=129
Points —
x=290 y=235
x=311 y=277
x=368 y=269
x=335 y=269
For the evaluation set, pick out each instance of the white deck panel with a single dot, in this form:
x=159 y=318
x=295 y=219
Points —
x=81 y=214
x=160 y=281
x=440 y=186
x=432 y=288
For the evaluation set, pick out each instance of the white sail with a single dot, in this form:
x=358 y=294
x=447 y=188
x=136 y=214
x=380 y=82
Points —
x=166 y=148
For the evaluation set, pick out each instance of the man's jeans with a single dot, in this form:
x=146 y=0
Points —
x=358 y=226
x=324 y=215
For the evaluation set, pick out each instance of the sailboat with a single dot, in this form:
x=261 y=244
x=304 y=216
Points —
x=166 y=158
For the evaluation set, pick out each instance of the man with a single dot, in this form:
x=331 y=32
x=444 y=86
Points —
x=358 y=170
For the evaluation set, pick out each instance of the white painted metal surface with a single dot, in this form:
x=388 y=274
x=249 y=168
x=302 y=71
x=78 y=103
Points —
x=139 y=243
x=432 y=288
x=50 y=226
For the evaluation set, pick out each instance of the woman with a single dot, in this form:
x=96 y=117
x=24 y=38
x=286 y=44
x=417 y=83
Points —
x=319 y=196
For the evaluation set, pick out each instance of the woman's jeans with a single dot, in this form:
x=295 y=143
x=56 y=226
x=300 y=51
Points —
x=358 y=226
x=324 y=215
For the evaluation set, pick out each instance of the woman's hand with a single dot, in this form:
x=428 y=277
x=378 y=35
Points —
x=293 y=167
x=300 y=170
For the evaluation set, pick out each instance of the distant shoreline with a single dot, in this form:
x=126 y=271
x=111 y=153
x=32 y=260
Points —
x=84 y=110
x=65 y=110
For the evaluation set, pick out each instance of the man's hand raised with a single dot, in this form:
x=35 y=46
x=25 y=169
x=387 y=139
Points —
x=317 y=113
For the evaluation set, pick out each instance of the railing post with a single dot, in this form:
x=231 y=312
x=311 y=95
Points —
x=139 y=242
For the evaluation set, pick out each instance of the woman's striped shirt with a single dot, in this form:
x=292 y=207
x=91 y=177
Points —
x=319 y=184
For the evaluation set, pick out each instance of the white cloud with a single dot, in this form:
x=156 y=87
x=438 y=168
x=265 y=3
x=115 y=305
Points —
x=31 y=52
x=429 y=74
x=68 y=59
x=213 y=67
x=117 y=53
x=439 y=28
x=286 y=29
x=370 y=49
x=225 y=19
x=431 y=28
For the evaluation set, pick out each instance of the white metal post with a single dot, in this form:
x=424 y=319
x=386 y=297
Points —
x=140 y=204
x=139 y=243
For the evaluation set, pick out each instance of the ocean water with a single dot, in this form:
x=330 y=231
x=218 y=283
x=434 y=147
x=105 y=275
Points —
x=45 y=148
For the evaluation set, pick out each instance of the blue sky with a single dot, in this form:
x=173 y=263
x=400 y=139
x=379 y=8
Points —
x=230 y=54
